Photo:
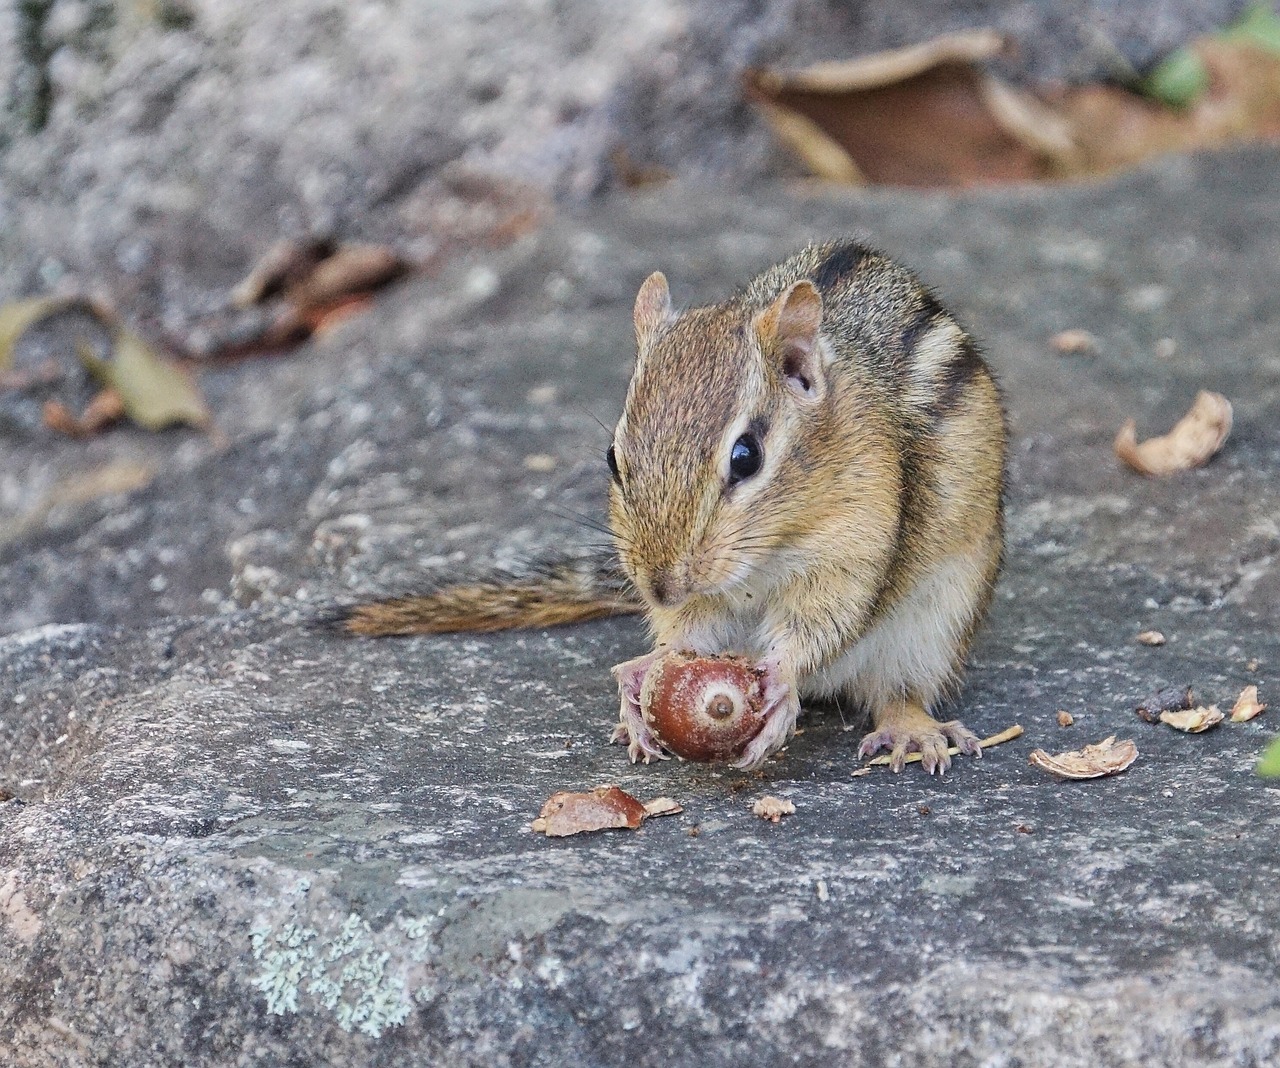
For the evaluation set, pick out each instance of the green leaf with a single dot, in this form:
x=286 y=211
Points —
x=1269 y=765
x=155 y=392
x=1258 y=26
x=1178 y=80
x=17 y=317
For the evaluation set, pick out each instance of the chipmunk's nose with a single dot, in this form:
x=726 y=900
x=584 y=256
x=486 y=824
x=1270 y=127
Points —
x=668 y=591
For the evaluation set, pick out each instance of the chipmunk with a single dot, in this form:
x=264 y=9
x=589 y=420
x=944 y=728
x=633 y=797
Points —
x=809 y=473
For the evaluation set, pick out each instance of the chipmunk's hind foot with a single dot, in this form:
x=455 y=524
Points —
x=905 y=727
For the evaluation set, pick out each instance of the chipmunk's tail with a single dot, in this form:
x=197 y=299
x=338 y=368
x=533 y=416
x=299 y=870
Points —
x=549 y=595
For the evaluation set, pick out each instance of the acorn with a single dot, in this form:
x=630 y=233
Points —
x=703 y=708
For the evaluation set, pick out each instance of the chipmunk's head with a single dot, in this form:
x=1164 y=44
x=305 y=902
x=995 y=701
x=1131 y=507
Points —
x=718 y=429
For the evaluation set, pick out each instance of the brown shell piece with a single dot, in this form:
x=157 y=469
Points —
x=1193 y=720
x=1247 y=705
x=703 y=708
x=1108 y=757
x=1195 y=437
x=605 y=807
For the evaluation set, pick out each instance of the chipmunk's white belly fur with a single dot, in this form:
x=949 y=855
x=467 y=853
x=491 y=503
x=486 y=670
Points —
x=913 y=648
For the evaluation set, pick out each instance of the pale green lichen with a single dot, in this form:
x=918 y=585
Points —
x=346 y=973
x=285 y=958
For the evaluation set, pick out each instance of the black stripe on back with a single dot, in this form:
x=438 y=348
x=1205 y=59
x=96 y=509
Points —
x=957 y=374
x=843 y=261
x=925 y=316
x=914 y=483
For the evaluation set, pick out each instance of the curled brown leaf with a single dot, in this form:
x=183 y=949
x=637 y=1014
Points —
x=1247 y=706
x=1193 y=720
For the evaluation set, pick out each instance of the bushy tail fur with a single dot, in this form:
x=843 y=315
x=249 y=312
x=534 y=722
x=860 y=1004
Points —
x=548 y=595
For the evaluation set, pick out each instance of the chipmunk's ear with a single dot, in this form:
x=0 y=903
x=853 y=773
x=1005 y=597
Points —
x=788 y=331
x=653 y=308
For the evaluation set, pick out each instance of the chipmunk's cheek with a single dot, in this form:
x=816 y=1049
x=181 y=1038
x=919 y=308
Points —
x=724 y=571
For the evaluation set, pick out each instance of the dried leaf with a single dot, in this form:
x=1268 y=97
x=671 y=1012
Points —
x=1108 y=757
x=1196 y=437
x=1193 y=720
x=926 y=115
x=155 y=392
x=888 y=68
x=350 y=270
x=323 y=285
x=932 y=115
x=285 y=263
x=1247 y=706
x=60 y=419
x=773 y=808
x=603 y=808
x=106 y=407
x=324 y=318
x=822 y=154
x=18 y=316
x=1151 y=637
x=662 y=806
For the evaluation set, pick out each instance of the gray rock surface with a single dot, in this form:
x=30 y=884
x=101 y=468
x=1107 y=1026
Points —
x=155 y=149
x=236 y=839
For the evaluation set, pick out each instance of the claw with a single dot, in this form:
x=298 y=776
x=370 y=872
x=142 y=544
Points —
x=906 y=728
x=631 y=727
x=781 y=707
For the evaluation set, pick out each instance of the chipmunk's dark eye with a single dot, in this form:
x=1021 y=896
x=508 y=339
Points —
x=745 y=458
x=611 y=458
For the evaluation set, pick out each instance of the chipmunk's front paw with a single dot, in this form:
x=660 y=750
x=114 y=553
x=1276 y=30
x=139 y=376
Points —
x=781 y=706
x=640 y=742
x=631 y=727
x=907 y=728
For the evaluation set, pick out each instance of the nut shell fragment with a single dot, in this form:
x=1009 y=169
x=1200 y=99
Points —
x=1247 y=705
x=1193 y=720
x=605 y=807
x=773 y=808
x=1107 y=757
x=703 y=708
x=662 y=806
x=1194 y=438
x=1069 y=342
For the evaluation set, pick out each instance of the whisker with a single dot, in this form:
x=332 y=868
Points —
x=595 y=419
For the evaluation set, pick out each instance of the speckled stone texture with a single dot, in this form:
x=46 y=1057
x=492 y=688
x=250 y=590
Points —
x=148 y=148
x=234 y=839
